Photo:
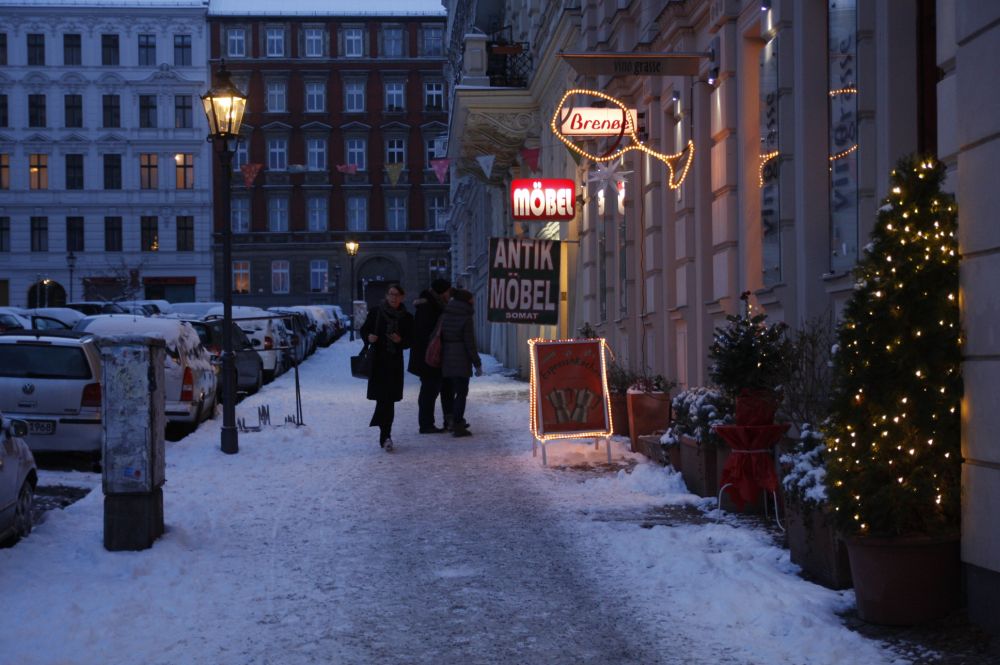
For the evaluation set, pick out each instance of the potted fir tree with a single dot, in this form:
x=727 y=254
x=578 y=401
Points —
x=894 y=464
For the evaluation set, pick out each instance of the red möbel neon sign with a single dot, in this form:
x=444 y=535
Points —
x=543 y=199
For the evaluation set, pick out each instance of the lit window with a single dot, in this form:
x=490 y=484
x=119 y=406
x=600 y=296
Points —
x=38 y=171
x=279 y=277
x=241 y=277
x=149 y=234
x=184 y=170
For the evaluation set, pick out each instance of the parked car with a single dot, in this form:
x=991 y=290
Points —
x=12 y=318
x=153 y=307
x=89 y=307
x=325 y=327
x=12 y=321
x=338 y=325
x=298 y=327
x=51 y=379
x=263 y=334
x=345 y=321
x=194 y=310
x=249 y=366
x=18 y=479
x=64 y=315
x=140 y=308
x=189 y=376
x=313 y=325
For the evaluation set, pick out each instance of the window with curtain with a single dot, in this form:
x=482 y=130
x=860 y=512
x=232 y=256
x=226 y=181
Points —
x=277 y=153
x=236 y=43
x=319 y=275
x=275 y=42
x=315 y=96
x=147 y=111
x=354 y=97
x=357 y=213
x=184 y=170
x=434 y=96
x=357 y=149
x=770 y=163
x=239 y=215
x=276 y=98
x=38 y=171
x=109 y=51
x=353 y=42
x=395 y=96
x=241 y=277
x=277 y=214
x=395 y=212
x=316 y=154
x=843 y=140
x=314 y=42
x=182 y=50
x=280 y=282
x=316 y=213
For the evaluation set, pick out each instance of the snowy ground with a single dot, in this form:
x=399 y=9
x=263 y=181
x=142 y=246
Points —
x=312 y=545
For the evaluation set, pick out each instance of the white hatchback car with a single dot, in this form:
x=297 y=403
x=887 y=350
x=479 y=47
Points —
x=18 y=479
x=265 y=336
x=189 y=375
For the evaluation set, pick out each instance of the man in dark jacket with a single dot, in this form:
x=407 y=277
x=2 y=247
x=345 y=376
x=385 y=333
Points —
x=427 y=311
x=459 y=357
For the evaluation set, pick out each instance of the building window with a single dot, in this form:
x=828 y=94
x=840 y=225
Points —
x=4 y=234
x=182 y=50
x=319 y=276
x=182 y=111
x=395 y=151
x=239 y=215
x=38 y=171
x=184 y=170
x=357 y=213
x=74 y=234
x=392 y=42
x=74 y=171
x=275 y=42
x=147 y=111
x=842 y=40
x=36 y=111
x=112 y=171
x=353 y=42
x=354 y=97
x=72 y=50
x=149 y=170
x=236 y=43
x=357 y=149
x=73 y=110
x=437 y=209
x=112 y=234
x=240 y=154
x=438 y=268
x=4 y=170
x=394 y=96
x=4 y=117
x=316 y=211
x=109 y=50
x=276 y=97
x=185 y=233
x=314 y=42
x=277 y=154
x=3 y=48
x=39 y=234
x=434 y=96
x=241 y=277
x=147 y=50
x=112 y=111
x=770 y=164
x=434 y=148
x=279 y=277
x=277 y=214
x=315 y=97
x=395 y=212
x=36 y=49
x=432 y=40
x=149 y=234
x=316 y=154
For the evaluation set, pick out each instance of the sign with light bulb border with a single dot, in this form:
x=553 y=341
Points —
x=569 y=389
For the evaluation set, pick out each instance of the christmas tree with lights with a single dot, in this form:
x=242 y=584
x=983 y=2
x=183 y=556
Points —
x=893 y=438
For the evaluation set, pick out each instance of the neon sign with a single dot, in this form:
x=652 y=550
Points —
x=543 y=199
x=588 y=121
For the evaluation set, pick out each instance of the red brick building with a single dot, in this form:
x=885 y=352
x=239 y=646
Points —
x=345 y=113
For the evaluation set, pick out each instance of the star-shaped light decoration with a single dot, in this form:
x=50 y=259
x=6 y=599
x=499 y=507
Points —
x=607 y=175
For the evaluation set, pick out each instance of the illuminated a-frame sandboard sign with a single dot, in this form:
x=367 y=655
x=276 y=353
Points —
x=569 y=392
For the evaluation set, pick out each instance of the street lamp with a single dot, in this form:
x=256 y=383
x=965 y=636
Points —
x=71 y=264
x=224 y=105
x=352 y=248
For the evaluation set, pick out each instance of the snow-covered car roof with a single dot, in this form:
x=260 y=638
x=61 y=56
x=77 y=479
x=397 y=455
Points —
x=174 y=332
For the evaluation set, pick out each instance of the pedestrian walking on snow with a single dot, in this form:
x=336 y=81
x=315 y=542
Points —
x=459 y=355
x=427 y=311
x=389 y=329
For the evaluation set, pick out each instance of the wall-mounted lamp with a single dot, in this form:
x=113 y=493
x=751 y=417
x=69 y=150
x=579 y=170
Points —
x=765 y=5
x=675 y=97
x=713 y=75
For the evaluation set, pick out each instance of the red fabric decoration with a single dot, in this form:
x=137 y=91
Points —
x=530 y=157
x=440 y=167
x=756 y=407
x=750 y=467
x=348 y=168
x=250 y=172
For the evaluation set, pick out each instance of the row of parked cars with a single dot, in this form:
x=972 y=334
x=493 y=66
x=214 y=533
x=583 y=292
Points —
x=50 y=362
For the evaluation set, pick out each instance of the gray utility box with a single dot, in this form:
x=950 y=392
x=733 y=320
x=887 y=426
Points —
x=132 y=416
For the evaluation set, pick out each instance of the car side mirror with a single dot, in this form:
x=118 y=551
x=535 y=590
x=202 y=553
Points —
x=19 y=428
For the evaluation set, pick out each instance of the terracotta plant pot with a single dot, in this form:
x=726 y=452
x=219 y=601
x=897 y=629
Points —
x=619 y=413
x=698 y=466
x=815 y=546
x=647 y=413
x=905 y=580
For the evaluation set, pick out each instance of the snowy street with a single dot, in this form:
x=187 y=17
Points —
x=312 y=545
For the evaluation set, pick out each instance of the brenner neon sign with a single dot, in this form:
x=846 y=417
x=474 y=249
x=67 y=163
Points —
x=543 y=199
x=598 y=122
x=678 y=166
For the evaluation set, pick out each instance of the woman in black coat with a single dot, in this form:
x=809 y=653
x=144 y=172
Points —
x=459 y=354
x=389 y=329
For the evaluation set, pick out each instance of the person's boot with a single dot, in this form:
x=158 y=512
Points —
x=447 y=423
x=387 y=444
x=461 y=431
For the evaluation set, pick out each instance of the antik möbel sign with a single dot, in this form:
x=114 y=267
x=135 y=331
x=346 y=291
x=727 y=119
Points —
x=543 y=199
x=524 y=280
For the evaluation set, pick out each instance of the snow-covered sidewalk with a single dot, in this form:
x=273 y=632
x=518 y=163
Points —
x=312 y=545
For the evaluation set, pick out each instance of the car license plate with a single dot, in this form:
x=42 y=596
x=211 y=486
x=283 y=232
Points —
x=41 y=427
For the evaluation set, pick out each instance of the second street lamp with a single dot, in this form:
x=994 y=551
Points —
x=224 y=105
x=352 y=248
x=71 y=264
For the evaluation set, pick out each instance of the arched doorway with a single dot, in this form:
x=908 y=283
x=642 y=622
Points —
x=46 y=293
x=375 y=276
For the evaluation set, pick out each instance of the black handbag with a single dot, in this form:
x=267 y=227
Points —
x=361 y=364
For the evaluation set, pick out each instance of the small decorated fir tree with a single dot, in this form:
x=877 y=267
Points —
x=893 y=462
x=748 y=353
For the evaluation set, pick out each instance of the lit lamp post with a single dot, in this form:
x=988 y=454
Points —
x=224 y=105
x=71 y=264
x=352 y=248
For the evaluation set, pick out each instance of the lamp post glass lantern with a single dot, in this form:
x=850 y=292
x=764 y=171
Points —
x=352 y=248
x=71 y=264
x=224 y=105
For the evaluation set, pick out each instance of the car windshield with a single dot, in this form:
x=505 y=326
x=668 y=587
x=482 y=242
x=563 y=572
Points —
x=43 y=361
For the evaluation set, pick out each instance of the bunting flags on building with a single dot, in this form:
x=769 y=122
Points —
x=440 y=167
x=250 y=172
x=394 y=169
x=347 y=168
x=530 y=157
x=486 y=164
